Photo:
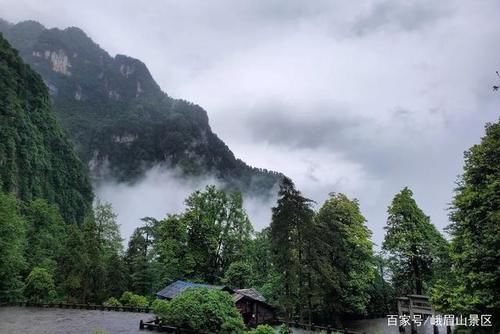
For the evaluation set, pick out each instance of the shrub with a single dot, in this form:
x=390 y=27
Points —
x=202 y=309
x=125 y=298
x=160 y=307
x=112 y=302
x=40 y=285
x=138 y=301
x=262 y=329
x=284 y=329
x=130 y=299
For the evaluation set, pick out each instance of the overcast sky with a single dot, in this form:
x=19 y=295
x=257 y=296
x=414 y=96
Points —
x=360 y=97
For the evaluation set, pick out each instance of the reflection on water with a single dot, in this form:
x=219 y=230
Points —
x=32 y=320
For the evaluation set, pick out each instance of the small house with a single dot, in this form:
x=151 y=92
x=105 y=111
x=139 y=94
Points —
x=253 y=307
x=249 y=302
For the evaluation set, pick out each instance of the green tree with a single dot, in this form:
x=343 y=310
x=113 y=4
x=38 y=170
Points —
x=238 y=275
x=382 y=297
x=202 y=310
x=139 y=261
x=40 y=285
x=172 y=249
x=12 y=243
x=93 y=287
x=472 y=287
x=290 y=226
x=72 y=267
x=46 y=235
x=343 y=257
x=108 y=230
x=218 y=231
x=414 y=244
x=108 y=237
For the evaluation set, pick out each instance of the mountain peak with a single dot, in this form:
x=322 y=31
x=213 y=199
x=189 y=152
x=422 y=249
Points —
x=119 y=119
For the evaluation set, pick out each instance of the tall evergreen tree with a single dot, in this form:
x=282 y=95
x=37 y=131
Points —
x=343 y=257
x=138 y=261
x=414 y=244
x=290 y=225
x=473 y=286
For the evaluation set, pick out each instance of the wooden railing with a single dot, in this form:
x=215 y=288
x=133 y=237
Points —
x=82 y=307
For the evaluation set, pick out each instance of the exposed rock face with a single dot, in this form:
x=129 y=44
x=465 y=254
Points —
x=124 y=139
x=60 y=62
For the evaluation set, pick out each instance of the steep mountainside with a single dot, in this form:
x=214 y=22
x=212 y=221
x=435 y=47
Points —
x=36 y=158
x=117 y=116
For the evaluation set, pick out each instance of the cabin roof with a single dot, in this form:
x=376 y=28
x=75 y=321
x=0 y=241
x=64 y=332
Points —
x=249 y=293
x=177 y=287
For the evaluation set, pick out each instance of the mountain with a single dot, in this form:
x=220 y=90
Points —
x=118 y=118
x=36 y=158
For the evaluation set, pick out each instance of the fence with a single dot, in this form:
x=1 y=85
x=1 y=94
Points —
x=82 y=307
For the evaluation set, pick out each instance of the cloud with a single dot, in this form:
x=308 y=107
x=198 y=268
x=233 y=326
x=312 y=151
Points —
x=360 y=97
x=162 y=191
x=402 y=15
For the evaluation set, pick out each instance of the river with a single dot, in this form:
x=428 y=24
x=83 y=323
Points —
x=32 y=320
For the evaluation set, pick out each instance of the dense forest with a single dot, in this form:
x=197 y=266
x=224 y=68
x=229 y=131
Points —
x=119 y=120
x=313 y=265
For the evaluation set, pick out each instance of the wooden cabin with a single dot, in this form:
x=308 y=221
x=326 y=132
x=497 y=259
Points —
x=251 y=304
x=253 y=307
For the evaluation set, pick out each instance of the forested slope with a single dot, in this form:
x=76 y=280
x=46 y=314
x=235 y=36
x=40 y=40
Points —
x=36 y=158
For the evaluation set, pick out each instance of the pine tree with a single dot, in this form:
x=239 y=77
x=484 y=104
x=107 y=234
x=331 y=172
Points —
x=414 y=244
x=343 y=257
x=290 y=225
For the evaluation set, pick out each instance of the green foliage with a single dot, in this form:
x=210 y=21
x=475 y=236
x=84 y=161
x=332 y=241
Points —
x=289 y=231
x=140 y=262
x=125 y=297
x=284 y=329
x=262 y=329
x=112 y=301
x=40 y=285
x=382 y=295
x=342 y=256
x=160 y=307
x=46 y=235
x=138 y=301
x=204 y=310
x=107 y=228
x=36 y=159
x=131 y=299
x=72 y=265
x=218 y=229
x=414 y=244
x=238 y=275
x=472 y=286
x=12 y=245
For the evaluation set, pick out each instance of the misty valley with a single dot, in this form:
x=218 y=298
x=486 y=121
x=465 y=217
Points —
x=122 y=210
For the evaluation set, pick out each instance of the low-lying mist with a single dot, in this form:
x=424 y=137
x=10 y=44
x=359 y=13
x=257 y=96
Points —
x=162 y=191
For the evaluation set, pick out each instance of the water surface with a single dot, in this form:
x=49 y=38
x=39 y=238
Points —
x=33 y=320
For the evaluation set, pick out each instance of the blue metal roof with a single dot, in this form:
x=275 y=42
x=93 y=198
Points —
x=177 y=287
